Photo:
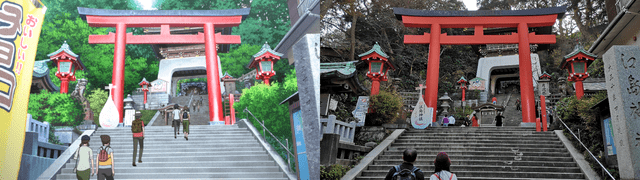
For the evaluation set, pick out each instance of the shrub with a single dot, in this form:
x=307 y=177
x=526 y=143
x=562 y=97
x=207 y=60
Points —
x=333 y=172
x=55 y=108
x=387 y=106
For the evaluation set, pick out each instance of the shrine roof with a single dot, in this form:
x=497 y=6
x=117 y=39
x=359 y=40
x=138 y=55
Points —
x=377 y=49
x=579 y=49
x=399 y=12
x=265 y=49
x=339 y=69
x=65 y=47
x=40 y=68
x=244 y=12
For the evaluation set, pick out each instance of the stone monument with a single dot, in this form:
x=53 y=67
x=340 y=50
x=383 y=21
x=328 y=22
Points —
x=622 y=71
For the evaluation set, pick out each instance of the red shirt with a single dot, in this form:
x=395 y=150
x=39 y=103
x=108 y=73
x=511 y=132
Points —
x=140 y=134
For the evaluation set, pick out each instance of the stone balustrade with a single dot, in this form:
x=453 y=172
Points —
x=345 y=130
x=42 y=128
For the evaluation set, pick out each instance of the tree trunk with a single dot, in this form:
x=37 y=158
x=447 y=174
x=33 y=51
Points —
x=353 y=34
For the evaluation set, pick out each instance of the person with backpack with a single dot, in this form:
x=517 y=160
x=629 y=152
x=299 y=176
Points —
x=106 y=168
x=84 y=156
x=137 y=128
x=185 y=123
x=176 y=120
x=406 y=170
x=442 y=164
x=499 y=118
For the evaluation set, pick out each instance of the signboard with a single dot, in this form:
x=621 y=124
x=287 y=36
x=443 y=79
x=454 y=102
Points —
x=360 y=113
x=158 y=85
x=333 y=104
x=477 y=84
x=422 y=115
x=301 y=149
x=20 y=31
x=608 y=133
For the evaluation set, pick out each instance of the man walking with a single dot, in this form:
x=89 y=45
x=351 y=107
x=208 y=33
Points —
x=137 y=128
x=176 y=120
x=406 y=170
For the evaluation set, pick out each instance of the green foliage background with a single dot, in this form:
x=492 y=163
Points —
x=387 y=106
x=55 y=108
x=97 y=98
x=264 y=103
x=579 y=116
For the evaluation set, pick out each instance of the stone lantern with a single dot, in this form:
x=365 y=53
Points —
x=263 y=62
x=543 y=84
x=144 y=84
x=378 y=67
x=576 y=64
x=129 y=111
x=445 y=102
x=67 y=63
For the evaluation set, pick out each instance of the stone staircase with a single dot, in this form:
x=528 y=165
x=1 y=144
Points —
x=482 y=153
x=199 y=117
x=212 y=152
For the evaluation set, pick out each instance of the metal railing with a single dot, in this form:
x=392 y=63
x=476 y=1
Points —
x=585 y=147
x=264 y=129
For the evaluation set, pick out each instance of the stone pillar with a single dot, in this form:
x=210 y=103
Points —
x=306 y=53
x=622 y=72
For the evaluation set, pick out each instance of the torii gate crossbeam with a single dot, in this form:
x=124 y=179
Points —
x=208 y=19
x=522 y=20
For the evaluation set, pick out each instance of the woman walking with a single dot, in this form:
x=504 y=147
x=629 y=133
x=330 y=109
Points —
x=185 y=123
x=83 y=157
x=442 y=164
x=474 y=121
x=106 y=169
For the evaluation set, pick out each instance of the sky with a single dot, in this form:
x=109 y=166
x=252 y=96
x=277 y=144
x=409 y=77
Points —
x=471 y=4
x=146 y=4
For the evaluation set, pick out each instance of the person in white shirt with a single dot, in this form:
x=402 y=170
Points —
x=442 y=164
x=176 y=120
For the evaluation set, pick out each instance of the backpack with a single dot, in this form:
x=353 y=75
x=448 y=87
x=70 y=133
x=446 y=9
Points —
x=451 y=177
x=185 y=115
x=103 y=156
x=136 y=126
x=404 y=174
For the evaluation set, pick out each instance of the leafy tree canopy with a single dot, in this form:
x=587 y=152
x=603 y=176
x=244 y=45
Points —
x=55 y=108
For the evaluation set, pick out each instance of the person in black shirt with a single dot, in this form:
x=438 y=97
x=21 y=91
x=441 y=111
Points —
x=409 y=157
x=499 y=120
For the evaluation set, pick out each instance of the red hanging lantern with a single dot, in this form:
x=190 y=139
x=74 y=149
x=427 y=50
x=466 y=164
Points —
x=576 y=64
x=67 y=63
x=379 y=66
x=263 y=62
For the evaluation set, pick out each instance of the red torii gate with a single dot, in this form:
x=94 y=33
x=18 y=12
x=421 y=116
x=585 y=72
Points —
x=122 y=19
x=522 y=20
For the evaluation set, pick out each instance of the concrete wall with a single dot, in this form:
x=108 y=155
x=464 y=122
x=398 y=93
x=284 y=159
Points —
x=32 y=166
x=170 y=66
x=487 y=64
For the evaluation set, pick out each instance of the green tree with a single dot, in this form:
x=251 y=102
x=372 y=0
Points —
x=55 y=108
x=97 y=98
x=235 y=62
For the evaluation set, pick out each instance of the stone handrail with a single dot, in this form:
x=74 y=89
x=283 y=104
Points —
x=345 y=130
x=373 y=154
x=284 y=166
x=42 y=128
x=56 y=167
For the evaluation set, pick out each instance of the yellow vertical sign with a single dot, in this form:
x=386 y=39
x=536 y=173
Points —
x=20 y=25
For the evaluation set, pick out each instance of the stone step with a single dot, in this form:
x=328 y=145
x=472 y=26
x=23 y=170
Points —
x=513 y=141
x=170 y=135
x=194 y=159
x=192 y=141
x=198 y=175
x=499 y=134
x=146 y=163
x=192 y=149
x=489 y=153
x=129 y=152
x=474 y=137
x=474 y=178
x=426 y=162
x=461 y=148
x=473 y=144
x=169 y=146
x=498 y=158
x=430 y=168
x=182 y=170
x=503 y=173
